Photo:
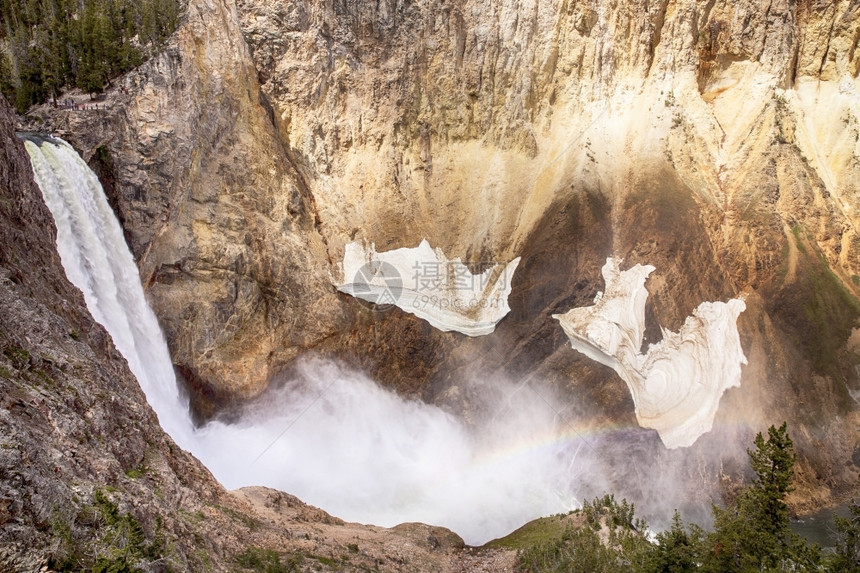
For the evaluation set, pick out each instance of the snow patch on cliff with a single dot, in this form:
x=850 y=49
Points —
x=677 y=384
x=424 y=282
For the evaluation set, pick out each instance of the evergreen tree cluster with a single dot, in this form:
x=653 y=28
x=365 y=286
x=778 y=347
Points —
x=750 y=535
x=611 y=539
x=49 y=45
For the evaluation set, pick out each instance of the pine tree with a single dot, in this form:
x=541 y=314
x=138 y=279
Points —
x=847 y=557
x=677 y=550
x=773 y=463
x=49 y=45
x=753 y=534
x=31 y=87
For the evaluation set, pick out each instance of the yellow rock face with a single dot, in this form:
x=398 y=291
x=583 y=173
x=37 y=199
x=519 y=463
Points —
x=718 y=142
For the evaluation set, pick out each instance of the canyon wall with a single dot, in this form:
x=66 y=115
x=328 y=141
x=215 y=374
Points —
x=88 y=479
x=74 y=420
x=716 y=141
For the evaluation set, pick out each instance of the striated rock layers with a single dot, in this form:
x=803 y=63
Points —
x=716 y=141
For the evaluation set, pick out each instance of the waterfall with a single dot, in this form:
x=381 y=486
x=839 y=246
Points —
x=330 y=436
x=97 y=261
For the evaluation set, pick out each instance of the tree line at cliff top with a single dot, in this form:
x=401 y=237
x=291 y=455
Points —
x=751 y=534
x=47 y=46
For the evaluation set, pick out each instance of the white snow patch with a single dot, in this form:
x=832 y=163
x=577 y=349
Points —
x=424 y=282
x=677 y=384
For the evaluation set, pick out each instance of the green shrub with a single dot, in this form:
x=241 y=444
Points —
x=102 y=539
x=268 y=561
x=749 y=535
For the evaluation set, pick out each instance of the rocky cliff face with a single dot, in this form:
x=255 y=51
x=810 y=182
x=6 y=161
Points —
x=87 y=477
x=716 y=141
x=74 y=419
x=223 y=226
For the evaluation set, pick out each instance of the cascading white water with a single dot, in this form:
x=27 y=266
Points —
x=330 y=436
x=97 y=261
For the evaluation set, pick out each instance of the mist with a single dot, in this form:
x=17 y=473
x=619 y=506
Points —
x=337 y=440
